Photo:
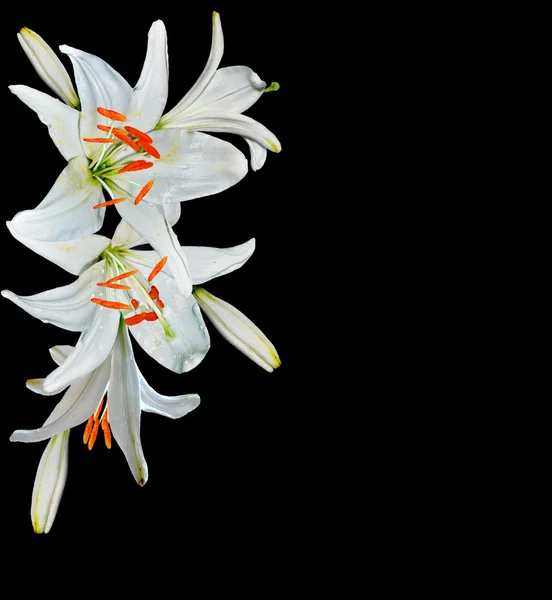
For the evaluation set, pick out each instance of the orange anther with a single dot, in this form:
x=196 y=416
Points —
x=160 y=303
x=137 y=165
x=154 y=293
x=88 y=429
x=111 y=114
x=134 y=303
x=139 y=134
x=94 y=434
x=115 y=286
x=109 y=202
x=100 y=140
x=96 y=415
x=126 y=139
x=122 y=276
x=150 y=316
x=135 y=319
x=104 y=128
x=149 y=148
x=107 y=434
x=143 y=192
x=157 y=268
x=110 y=304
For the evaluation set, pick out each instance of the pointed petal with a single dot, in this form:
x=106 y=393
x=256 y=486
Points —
x=74 y=256
x=50 y=482
x=258 y=154
x=207 y=263
x=242 y=333
x=192 y=165
x=37 y=386
x=151 y=91
x=48 y=66
x=232 y=89
x=77 y=404
x=99 y=85
x=189 y=341
x=124 y=405
x=60 y=355
x=67 y=211
x=126 y=236
x=217 y=49
x=62 y=120
x=173 y=407
x=69 y=306
x=228 y=122
x=93 y=347
x=149 y=222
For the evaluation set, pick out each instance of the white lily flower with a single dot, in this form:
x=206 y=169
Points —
x=119 y=380
x=48 y=66
x=116 y=279
x=240 y=331
x=140 y=166
x=217 y=99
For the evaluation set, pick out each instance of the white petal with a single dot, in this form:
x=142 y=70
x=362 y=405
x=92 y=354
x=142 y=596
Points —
x=50 y=482
x=73 y=255
x=93 y=347
x=232 y=89
x=258 y=154
x=124 y=405
x=62 y=120
x=78 y=403
x=126 y=236
x=101 y=86
x=173 y=407
x=67 y=211
x=37 y=386
x=192 y=165
x=48 y=66
x=217 y=49
x=207 y=263
x=238 y=330
x=227 y=122
x=60 y=355
x=151 y=91
x=150 y=223
x=190 y=343
x=68 y=306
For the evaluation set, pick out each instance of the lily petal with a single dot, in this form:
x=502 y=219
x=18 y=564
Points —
x=50 y=482
x=67 y=211
x=48 y=66
x=192 y=165
x=99 y=85
x=207 y=263
x=60 y=355
x=124 y=405
x=74 y=256
x=150 y=223
x=37 y=386
x=62 y=120
x=151 y=91
x=69 y=306
x=238 y=330
x=126 y=236
x=173 y=407
x=217 y=49
x=78 y=403
x=91 y=350
x=258 y=154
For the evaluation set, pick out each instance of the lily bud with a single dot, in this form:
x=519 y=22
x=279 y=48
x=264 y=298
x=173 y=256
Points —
x=238 y=330
x=48 y=66
x=49 y=482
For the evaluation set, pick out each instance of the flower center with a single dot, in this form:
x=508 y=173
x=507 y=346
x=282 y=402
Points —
x=108 y=163
x=140 y=297
x=93 y=426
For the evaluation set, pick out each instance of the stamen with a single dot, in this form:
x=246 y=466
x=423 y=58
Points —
x=160 y=303
x=149 y=148
x=94 y=434
x=115 y=286
x=88 y=429
x=154 y=293
x=123 y=137
x=135 y=319
x=150 y=316
x=137 y=165
x=109 y=202
x=143 y=192
x=139 y=134
x=106 y=430
x=101 y=141
x=135 y=304
x=96 y=415
x=157 y=268
x=110 y=304
x=105 y=128
x=111 y=114
x=123 y=276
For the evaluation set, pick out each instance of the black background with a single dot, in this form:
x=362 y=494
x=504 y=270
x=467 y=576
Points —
x=234 y=469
